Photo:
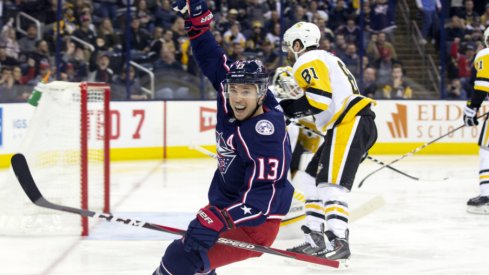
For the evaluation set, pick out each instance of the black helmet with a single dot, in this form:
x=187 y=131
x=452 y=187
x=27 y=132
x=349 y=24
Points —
x=248 y=71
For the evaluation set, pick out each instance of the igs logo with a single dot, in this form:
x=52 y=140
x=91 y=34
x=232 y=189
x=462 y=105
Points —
x=398 y=125
x=208 y=119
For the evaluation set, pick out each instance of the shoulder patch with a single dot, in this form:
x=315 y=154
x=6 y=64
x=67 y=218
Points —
x=265 y=127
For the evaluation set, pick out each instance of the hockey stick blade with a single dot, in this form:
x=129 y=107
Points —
x=23 y=174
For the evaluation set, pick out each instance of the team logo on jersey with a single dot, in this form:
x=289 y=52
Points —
x=225 y=153
x=265 y=127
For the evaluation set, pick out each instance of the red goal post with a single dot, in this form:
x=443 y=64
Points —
x=67 y=146
x=86 y=87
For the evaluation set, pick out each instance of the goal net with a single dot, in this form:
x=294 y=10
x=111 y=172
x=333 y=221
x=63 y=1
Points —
x=67 y=148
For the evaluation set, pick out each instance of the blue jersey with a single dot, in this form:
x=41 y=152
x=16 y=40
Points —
x=253 y=155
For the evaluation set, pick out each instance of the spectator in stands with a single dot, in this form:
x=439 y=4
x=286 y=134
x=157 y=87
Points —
x=299 y=13
x=19 y=78
x=145 y=16
x=274 y=35
x=350 y=31
x=234 y=35
x=428 y=9
x=377 y=44
x=22 y=91
x=78 y=59
x=100 y=68
x=367 y=30
x=178 y=28
x=167 y=60
x=339 y=15
x=237 y=52
x=7 y=89
x=397 y=87
x=271 y=24
x=157 y=41
x=68 y=73
x=379 y=17
x=139 y=39
x=167 y=15
x=9 y=38
x=256 y=38
x=456 y=7
x=455 y=90
x=384 y=66
x=44 y=73
x=325 y=44
x=351 y=59
x=68 y=23
x=27 y=43
x=6 y=60
x=485 y=16
x=106 y=8
x=111 y=38
x=455 y=29
x=135 y=90
x=383 y=43
x=340 y=46
x=270 y=57
x=322 y=23
x=255 y=10
x=469 y=14
x=84 y=32
x=227 y=21
x=368 y=85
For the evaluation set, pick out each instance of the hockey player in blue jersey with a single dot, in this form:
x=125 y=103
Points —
x=249 y=193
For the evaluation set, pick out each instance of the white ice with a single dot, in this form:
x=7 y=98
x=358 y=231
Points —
x=422 y=229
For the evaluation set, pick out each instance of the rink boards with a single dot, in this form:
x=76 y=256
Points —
x=166 y=129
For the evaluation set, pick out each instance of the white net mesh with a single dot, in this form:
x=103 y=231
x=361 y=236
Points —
x=52 y=146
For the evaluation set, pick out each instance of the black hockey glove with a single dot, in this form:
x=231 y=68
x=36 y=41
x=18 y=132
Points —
x=470 y=115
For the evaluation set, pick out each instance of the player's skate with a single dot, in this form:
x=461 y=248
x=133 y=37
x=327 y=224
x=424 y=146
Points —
x=314 y=242
x=478 y=205
x=338 y=249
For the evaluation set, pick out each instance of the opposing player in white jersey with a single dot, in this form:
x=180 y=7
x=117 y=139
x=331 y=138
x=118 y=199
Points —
x=303 y=143
x=331 y=95
x=480 y=204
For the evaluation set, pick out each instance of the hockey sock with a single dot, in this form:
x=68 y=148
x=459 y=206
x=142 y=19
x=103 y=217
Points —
x=314 y=206
x=484 y=170
x=335 y=208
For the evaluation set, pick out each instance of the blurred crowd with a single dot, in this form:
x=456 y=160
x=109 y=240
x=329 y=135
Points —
x=95 y=41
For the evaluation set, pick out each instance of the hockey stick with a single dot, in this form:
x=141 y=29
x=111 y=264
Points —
x=416 y=150
x=368 y=156
x=204 y=151
x=23 y=174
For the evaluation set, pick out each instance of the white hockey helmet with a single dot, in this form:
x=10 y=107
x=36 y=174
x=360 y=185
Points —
x=486 y=37
x=307 y=33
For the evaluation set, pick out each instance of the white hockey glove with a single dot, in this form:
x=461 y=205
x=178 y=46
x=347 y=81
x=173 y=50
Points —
x=284 y=84
x=470 y=116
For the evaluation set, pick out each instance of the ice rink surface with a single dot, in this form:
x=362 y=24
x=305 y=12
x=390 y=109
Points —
x=423 y=228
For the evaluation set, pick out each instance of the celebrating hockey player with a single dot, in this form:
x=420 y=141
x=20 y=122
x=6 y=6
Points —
x=480 y=204
x=249 y=192
x=332 y=97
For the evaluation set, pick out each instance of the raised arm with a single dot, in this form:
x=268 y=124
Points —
x=208 y=54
